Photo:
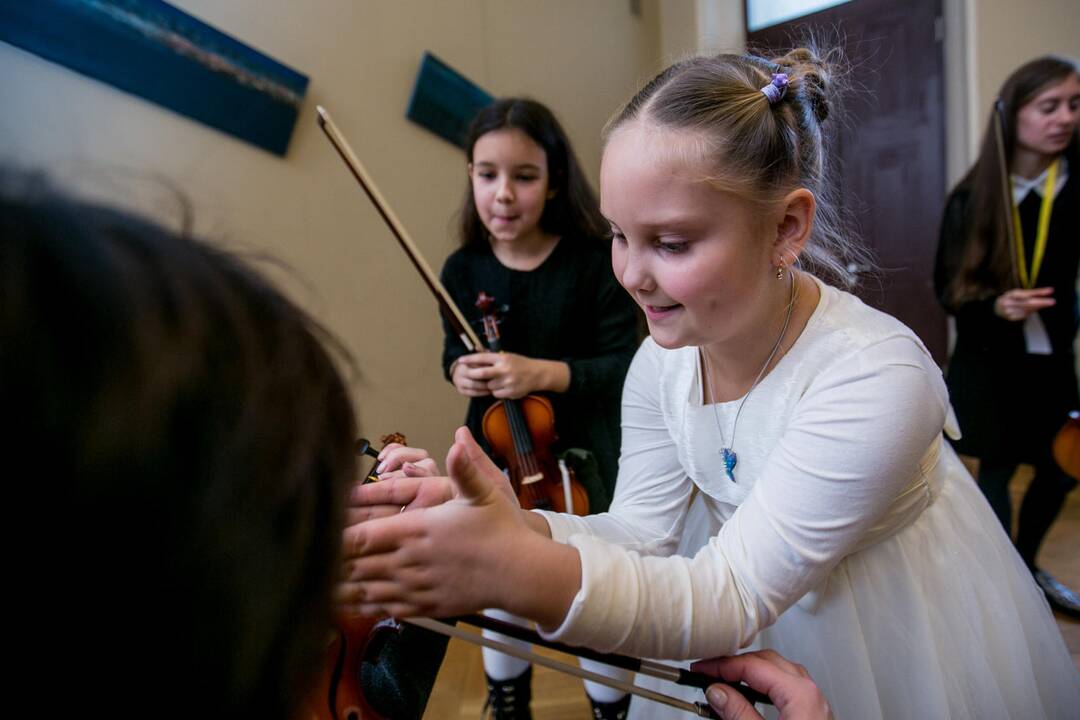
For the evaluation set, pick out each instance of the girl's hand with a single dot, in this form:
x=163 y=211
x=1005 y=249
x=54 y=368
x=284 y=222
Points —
x=397 y=460
x=1016 y=305
x=451 y=558
x=406 y=479
x=467 y=375
x=513 y=376
x=788 y=685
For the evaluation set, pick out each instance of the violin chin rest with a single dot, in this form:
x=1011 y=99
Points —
x=399 y=671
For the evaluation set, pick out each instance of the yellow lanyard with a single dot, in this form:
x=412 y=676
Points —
x=1043 y=229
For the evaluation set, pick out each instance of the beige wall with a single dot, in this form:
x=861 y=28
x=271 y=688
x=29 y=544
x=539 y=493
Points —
x=361 y=56
x=583 y=58
x=688 y=27
x=985 y=41
x=1008 y=34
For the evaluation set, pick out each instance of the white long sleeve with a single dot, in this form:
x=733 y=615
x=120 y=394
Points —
x=835 y=444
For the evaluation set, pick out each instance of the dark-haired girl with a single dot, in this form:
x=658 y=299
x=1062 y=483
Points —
x=532 y=237
x=1012 y=376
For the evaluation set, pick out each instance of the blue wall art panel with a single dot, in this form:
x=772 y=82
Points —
x=151 y=49
x=444 y=101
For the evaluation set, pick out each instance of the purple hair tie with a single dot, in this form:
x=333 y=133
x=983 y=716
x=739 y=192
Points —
x=776 y=89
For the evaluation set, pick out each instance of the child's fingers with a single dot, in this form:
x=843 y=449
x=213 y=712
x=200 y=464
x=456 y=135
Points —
x=470 y=468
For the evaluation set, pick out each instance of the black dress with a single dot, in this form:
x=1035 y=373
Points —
x=570 y=308
x=1011 y=403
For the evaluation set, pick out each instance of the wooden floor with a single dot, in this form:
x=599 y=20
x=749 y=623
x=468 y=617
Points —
x=460 y=689
x=1059 y=555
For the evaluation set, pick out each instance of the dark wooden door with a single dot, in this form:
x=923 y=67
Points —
x=889 y=133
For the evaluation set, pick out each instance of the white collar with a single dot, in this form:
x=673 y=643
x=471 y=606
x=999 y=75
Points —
x=1022 y=186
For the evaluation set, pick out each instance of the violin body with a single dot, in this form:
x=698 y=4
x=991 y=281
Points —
x=1066 y=446
x=339 y=695
x=521 y=433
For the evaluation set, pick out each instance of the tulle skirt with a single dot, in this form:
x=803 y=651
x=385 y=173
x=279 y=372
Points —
x=941 y=620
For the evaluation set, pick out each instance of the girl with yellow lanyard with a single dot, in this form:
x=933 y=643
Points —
x=1012 y=290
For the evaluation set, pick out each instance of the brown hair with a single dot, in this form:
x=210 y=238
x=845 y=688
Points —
x=986 y=266
x=191 y=441
x=757 y=150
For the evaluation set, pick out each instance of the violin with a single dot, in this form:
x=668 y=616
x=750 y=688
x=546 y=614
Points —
x=338 y=694
x=521 y=433
x=1066 y=447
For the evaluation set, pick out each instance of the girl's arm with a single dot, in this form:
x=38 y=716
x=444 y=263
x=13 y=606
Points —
x=854 y=444
x=988 y=316
x=953 y=242
x=435 y=562
x=599 y=370
x=598 y=364
x=653 y=492
x=454 y=274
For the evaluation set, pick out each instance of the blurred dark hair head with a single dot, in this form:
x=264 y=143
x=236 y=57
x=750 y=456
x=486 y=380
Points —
x=190 y=443
x=573 y=209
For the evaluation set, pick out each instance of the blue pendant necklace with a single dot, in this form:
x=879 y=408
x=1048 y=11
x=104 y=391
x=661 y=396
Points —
x=727 y=452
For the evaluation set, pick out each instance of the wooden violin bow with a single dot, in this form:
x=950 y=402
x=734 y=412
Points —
x=679 y=676
x=453 y=314
x=1006 y=186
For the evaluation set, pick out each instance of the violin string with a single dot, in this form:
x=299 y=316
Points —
x=520 y=433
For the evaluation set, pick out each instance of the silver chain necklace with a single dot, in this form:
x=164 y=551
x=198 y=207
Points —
x=727 y=453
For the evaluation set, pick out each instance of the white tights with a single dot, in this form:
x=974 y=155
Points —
x=500 y=666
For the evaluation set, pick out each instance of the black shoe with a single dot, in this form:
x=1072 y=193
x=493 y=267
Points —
x=509 y=699
x=1060 y=597
x=612 y=710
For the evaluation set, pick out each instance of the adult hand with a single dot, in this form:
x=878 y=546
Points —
x=787 y=684
x=436 y=562
x=1016 y=305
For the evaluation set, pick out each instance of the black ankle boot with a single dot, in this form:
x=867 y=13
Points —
x=1061 y=597
x=612 y=710
x=509 y=699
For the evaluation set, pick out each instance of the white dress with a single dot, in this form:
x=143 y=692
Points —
x=852 y=541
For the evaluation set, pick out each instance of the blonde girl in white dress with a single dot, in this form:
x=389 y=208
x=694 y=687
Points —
x=784 y=482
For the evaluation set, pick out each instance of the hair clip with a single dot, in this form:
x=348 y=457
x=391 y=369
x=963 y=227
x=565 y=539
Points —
x=776 y=89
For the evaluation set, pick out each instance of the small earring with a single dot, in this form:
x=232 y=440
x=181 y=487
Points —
x=780 y=270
